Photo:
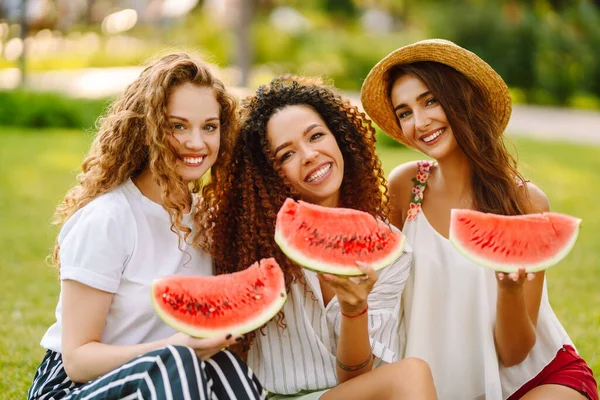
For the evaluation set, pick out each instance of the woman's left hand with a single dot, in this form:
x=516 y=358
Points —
x=352 y=292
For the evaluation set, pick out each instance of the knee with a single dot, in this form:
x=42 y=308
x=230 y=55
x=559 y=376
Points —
x=414 y=379
x=416 y=364
x=415 y=370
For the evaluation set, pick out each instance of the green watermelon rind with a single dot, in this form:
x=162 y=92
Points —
x=511 y=267
x=234 y=330
x=336 y=269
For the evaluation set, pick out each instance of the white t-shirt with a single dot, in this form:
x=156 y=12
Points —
x=119 y=243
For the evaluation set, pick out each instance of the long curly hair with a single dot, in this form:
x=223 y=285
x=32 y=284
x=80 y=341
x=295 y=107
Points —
x=494 y=173
x=133 y=135
x=244 y=223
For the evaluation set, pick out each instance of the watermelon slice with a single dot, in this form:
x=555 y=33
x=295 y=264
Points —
x=505 y=243
x=331 y=240
x=208 y=306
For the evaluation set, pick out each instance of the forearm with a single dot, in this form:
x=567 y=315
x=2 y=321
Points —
x=514 y=332
x=354 y=348
x=95 y=359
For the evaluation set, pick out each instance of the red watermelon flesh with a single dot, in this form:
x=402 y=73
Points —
x=505 y=243
x=331 y=240
x=208 y=306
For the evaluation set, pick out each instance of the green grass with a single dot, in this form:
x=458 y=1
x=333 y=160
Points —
x=39 y=166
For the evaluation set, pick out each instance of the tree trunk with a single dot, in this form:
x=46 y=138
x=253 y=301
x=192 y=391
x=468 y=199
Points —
x=23 y=57
x=243 y=48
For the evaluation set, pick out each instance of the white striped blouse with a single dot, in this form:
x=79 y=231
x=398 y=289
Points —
x=302 y=355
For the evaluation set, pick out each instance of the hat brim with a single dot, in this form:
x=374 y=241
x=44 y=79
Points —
x=376 y=101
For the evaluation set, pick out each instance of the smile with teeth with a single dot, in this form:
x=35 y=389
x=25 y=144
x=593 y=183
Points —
x=318 y=174
x=433 y=136
x=193 y=160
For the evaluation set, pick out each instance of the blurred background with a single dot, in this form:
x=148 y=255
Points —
x=63 y=61
x=546 y=50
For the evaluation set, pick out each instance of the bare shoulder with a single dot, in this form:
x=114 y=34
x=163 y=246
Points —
x=538 y=201
x=399 y=189
x=401 y=176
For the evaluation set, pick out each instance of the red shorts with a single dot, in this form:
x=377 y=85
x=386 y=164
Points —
x=567 y=369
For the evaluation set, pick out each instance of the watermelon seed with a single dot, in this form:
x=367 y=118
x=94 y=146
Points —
x=257 y=297
x=211 y=309
x=282 y=294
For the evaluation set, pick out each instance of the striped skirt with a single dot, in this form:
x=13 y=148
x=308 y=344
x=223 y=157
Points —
x=173 y=372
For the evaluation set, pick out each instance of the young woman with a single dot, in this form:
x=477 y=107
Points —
x=300 y=139
x=127 y=222
x=484 y=335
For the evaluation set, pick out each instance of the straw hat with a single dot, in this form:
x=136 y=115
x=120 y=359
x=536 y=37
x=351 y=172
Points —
x=375 y=97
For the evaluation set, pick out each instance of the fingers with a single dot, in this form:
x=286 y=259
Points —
x=518 y=276
x=368 y=270
x=217 y=342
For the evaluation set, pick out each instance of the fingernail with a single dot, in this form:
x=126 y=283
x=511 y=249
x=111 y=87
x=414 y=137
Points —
x=500 y=276
x=228 y=336
x=513 y=276
x=530 y=276
x=239 y=339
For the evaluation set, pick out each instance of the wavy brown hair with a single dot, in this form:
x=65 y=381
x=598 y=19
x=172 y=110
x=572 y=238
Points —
x=133 y=135
x=256 y=188
x=494 y=174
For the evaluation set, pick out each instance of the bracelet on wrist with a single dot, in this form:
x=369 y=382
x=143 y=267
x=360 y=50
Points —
x=352 y=368
x=356 y=315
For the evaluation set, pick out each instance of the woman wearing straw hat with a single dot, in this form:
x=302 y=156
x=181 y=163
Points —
x=485 y=336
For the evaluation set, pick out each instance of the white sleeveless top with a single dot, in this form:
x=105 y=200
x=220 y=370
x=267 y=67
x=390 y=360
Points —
x=449 y=314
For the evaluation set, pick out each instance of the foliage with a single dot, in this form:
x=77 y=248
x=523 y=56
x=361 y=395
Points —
x=548 y=55
x=43 y=109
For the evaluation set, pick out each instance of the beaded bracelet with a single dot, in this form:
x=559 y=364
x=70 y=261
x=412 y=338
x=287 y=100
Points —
x=357 y=315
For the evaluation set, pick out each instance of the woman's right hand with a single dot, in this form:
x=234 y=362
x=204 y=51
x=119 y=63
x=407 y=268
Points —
x=204 y=348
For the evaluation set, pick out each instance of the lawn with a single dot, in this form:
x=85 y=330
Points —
x=37 y=167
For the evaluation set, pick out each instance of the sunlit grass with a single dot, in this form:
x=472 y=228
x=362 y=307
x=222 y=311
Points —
x=37 y=167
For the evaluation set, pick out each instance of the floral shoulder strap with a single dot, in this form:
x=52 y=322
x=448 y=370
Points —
x=420 y=183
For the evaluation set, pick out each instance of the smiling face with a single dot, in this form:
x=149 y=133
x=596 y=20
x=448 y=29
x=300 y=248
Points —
x=307 y=153
x=421 y=117
x=193 y=113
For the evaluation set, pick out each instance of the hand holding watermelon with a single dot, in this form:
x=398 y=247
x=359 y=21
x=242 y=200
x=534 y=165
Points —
x=204 y=348
x=352 y=292
x=520 y=244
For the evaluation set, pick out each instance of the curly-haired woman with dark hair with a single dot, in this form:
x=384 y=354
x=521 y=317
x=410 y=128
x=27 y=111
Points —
x=300 y=139
x=128 y=221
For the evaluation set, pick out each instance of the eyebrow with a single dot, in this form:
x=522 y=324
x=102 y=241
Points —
x=186 y=120
x=419 y=97
x=286 y=144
